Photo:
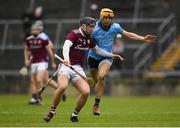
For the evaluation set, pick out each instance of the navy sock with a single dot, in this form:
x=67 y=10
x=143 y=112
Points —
x=97 y=101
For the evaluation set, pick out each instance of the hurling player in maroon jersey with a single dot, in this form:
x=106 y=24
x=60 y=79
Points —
x=52 y=82
x=74 y=52
x=37 y=46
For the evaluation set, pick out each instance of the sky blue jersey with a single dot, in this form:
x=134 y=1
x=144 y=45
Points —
x=104 y=39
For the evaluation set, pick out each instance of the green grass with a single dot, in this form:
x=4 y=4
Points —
x=116 y=111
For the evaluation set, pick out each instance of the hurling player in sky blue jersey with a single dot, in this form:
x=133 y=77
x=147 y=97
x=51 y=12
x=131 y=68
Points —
x=104 y=34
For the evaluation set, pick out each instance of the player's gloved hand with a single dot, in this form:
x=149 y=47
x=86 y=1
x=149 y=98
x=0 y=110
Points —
x=66 y=62
x=117 y=57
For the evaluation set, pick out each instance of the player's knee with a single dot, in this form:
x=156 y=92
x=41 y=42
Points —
x=62 y=88
x=40 y=82
x=86 y=93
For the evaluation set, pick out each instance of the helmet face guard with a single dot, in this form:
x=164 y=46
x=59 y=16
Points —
x=87 y=22
x=106 y=12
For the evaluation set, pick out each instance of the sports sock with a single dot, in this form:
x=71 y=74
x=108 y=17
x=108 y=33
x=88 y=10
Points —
x=53 y=84
x=53 y=109
x=97 y=101
x=74 y=114
x=76 y=111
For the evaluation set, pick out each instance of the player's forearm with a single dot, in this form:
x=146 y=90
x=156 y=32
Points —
x=66 y=48
x=133 y=36
x=26 y=55
x=102 y=52
x=50 y=52
x=51 y=44
x=51 y=56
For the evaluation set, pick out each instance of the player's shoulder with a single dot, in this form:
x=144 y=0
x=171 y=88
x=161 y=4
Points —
x=73 y=34
x=43 y=36
x=116 y=25
x=29 y=37
x=75 y=31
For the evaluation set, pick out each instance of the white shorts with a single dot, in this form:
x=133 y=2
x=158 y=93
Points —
x=35 y=67
x=70 y=73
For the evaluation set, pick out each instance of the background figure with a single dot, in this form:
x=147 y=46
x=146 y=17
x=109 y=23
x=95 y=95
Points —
x=38 y=45
x=118 y=48
x=104 y=35
x=29 y=18
x=38 y=13
x=51 y=45
x=27 y=22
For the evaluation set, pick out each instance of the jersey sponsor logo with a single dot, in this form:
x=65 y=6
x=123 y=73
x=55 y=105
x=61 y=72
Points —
x=36 y=47
x=79 y=47
x=105 y=42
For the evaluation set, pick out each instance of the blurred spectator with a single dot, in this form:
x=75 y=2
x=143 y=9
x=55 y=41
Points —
x=29 y=18
x=93 y=6
x=38 y=13
x=27 y=21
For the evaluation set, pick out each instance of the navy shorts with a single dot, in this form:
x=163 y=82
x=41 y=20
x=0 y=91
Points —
x=94 y=64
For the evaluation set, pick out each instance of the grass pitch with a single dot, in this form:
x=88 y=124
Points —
x=116 y=111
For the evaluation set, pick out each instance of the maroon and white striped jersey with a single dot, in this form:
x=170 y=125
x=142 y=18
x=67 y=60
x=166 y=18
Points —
x=37 y=46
